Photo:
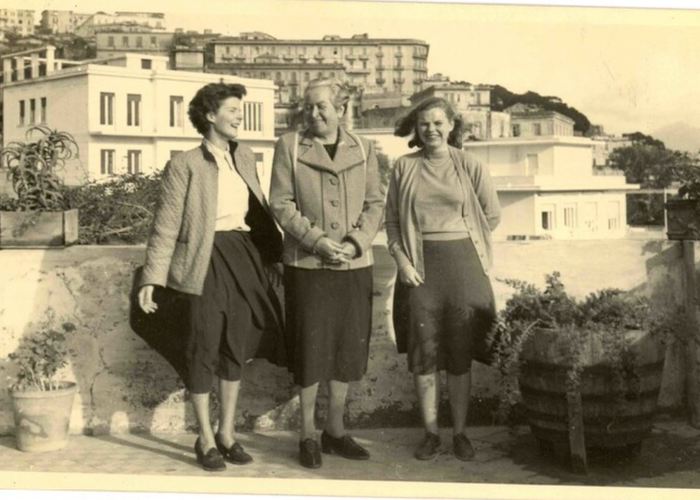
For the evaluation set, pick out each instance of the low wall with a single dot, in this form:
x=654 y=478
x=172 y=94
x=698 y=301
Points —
x=125 y=386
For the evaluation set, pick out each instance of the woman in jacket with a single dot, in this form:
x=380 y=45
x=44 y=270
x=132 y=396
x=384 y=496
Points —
x=325 y=194
x=441 y=208
x=211 y=241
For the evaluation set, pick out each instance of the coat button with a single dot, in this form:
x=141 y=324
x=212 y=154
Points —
x=335 y=203
x=335 y=225
x=333 y=181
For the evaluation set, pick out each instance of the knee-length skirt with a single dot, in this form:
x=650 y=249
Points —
x=441 y=324
x=328 y=323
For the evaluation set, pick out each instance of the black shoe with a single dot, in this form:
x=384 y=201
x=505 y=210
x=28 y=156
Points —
x=429 y=447
x=211 y=460
x=462 y=447
x=344 y=446
x=309 y=453
x=234 y=453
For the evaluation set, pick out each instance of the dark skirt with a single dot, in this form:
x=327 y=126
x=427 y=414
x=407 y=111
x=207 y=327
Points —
x=329 y=322
x=236 y=318
x=442 y=323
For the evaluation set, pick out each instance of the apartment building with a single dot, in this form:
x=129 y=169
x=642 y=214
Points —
x=133 y=111
x=62 y=21
x=19 y=21
x=375 y=65
x=119 y=39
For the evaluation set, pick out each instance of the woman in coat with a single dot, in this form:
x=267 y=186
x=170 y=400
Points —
x=325 y=194
x=441 y=209
x=212 y=244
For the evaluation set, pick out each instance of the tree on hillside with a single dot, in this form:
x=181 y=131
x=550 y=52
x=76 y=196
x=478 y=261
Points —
x=501 y=98
x=640 y=138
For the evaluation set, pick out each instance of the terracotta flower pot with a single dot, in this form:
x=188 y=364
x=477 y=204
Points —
x=42 y=418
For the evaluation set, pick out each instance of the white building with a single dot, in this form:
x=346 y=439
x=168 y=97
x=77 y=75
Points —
x=62 y=21
x=128 y=114
x=547 y=188
x=96 y=22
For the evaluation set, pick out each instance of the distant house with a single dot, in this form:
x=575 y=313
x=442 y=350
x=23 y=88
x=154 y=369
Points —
x=127 y=113
x=532 y=121
x=548 y=188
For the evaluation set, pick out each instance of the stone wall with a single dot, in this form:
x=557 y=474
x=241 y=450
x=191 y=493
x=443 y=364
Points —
x=125 y=386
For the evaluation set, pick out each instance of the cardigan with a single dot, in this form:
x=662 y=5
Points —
x=182 y=234
x=481 y=211
x=342 y=198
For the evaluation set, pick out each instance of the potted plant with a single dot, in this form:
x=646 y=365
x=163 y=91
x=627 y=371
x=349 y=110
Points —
x=37 y=216
x=683 y=213
x=41 y=403
x=591 y=367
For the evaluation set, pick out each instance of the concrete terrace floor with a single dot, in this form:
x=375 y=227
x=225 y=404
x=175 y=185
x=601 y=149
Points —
x=670 y=458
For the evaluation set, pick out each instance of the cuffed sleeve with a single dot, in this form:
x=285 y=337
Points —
x=486 y=193
x=393 y=221
x=166 y=224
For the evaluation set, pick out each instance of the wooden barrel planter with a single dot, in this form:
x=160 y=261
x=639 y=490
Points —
x=610 y=418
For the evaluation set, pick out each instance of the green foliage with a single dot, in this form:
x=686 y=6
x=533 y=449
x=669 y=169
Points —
x=604 y=317
x=501 y=98
x=116 y=211
x=649 y=165
x=689 y=177
x=33 y=166
x=39 y=357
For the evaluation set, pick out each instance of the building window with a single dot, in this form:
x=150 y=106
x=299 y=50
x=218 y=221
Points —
x=228 y=49
x=547 y=219
x=106 y=108
x=21 y=112
x=174 y=152
x=125 y=41
x=294 y=77
x=107 y=161
x=252 y=116
x=537 y=129
x=516 y=130
x=110 y=41
x=133 y=161
x=146 y=63
x=32 y=111
x=176 y=110
x=139 y=41
x=154 y=41
x=133 y=110
x=43 y=110
x=278 y=76
x=570 y=217
x=306 y=76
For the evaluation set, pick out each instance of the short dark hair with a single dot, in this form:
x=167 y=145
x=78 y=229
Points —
x=208 y=99
x=406 y=125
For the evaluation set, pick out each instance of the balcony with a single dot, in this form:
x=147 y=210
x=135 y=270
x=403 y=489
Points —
x=288 y=57
x=350 y=57
x=319 y=57
x=380 y=67
x=363 y=57
x=381 y=81
x=399 y=81
x=380 y=55
x=417 y=81
x=357 y=71
x=398 y=65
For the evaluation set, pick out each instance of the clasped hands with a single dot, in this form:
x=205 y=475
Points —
x=333 y=252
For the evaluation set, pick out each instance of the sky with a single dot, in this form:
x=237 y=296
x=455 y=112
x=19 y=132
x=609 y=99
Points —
x=627 y=69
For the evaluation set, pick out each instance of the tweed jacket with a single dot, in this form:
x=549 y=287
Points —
x=342 y=198
x=481 y=211
x=182 y=236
